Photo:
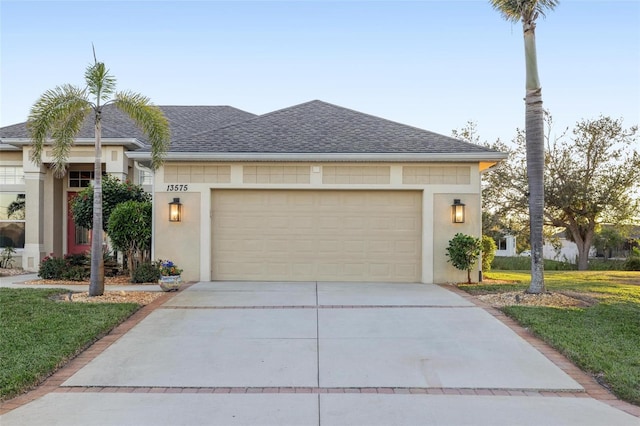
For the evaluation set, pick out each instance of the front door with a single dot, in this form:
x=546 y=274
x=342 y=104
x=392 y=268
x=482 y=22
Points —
x=78 y=238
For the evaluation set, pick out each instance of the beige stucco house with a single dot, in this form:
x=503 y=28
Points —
x=314 y=192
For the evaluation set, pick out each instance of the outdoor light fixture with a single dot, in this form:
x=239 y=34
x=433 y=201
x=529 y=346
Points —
x=175 y=210
x=457 y=211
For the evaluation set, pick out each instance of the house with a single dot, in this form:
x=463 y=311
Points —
x=506 y=246
x=313 y=192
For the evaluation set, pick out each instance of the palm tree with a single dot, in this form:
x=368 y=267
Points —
x=528 y=11
x=58 y=116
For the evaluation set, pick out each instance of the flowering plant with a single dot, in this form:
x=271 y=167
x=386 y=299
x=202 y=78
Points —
x=167 y=268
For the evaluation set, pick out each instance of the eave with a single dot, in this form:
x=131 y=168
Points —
x=480 y=157
x=128 y=143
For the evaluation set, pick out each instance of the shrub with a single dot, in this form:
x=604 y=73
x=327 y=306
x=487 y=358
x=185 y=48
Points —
x=632 y=264
x=6 y=257
x=606 y=265
x=73 y=267
x=130 y=230
x=52 y=268
x=463 y=252
x=76 y=259
x=523 y=263
x=488 y=252
x=146 y=273
x=114 y=192
x=76 y=273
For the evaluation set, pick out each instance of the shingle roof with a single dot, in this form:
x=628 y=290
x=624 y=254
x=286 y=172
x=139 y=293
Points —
x=183 y=121
x=320 y=127
x=314 y=127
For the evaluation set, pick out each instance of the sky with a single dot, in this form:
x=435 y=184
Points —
x=430 y=64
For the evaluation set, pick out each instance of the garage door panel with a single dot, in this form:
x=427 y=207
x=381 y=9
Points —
x=298 y=235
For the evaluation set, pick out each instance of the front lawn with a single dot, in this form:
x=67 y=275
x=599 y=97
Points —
x=38 y=334
x=602 y=339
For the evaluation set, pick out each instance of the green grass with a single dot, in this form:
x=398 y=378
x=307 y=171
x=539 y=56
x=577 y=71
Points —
x=38 y=335
x=603 y=339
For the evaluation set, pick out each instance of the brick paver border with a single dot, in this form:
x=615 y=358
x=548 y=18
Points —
x=592 y=388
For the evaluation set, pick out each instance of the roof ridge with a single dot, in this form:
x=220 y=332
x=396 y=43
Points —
x=267 y=114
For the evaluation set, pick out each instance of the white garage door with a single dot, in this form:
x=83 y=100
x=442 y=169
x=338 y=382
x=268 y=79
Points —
x=304 y=235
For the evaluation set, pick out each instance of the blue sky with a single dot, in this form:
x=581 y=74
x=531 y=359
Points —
x=431 y=64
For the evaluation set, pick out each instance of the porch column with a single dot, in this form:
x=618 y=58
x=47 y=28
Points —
x=34 y=217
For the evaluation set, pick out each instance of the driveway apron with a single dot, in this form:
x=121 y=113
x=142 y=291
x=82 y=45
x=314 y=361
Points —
x=254 y=353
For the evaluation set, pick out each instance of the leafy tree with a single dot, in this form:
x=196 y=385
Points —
x=609 y=238
x=528 y=12
x=488 y=252
x=463 y=252
x=58 y=115
x=590 y=177
x=130 y=230
x=114 y=192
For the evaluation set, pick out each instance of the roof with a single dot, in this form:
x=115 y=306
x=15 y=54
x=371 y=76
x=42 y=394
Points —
x=312 y=130
x=183 y=121
x=320 y=127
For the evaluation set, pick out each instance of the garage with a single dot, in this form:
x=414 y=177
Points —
x=316 y=235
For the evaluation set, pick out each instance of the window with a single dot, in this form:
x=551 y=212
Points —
x=502 y=244
x=145 y=178
x=12 y=215
x=80 y=178
x=11 y=175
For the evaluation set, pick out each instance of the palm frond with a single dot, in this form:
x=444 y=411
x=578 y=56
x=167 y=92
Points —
x=58 y=114
x=100 y=83
x=150 y=119
x=526 y=10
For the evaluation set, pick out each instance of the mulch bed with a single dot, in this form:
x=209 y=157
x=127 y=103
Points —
x=520 y=298
x=139 y=297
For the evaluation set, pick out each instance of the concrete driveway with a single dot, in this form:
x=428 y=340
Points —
x=246 y=353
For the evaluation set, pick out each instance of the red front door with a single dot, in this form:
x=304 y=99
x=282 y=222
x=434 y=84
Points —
x=78 y=238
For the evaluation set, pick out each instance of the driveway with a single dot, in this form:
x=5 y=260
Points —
x=253 y=353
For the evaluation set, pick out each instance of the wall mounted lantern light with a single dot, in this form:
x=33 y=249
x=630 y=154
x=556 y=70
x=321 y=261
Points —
x=175 y=210
x=457 y=211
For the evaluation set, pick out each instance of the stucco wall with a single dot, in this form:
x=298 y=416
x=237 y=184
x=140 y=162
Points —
x=188 y=243
x=444 y=230
x=179 y=241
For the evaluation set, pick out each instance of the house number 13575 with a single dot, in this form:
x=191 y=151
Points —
x=177 y=188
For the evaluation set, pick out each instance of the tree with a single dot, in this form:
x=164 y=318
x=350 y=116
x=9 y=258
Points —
x=114 y=192
x=590 y=177
x=609 y=238
x=58 y=116
x=528 y=11
x=463 y=252
x=130 y=230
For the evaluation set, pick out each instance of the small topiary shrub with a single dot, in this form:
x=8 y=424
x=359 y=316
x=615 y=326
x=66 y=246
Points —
x=146 y=273
x=52 y=268
x=463 y=252
x=488 y=252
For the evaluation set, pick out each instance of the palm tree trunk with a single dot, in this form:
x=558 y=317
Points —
x=534 y=128
x=535 y=174
x=96 y=287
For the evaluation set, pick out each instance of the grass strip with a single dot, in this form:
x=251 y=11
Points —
x=38 y=334
x=603 y=339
